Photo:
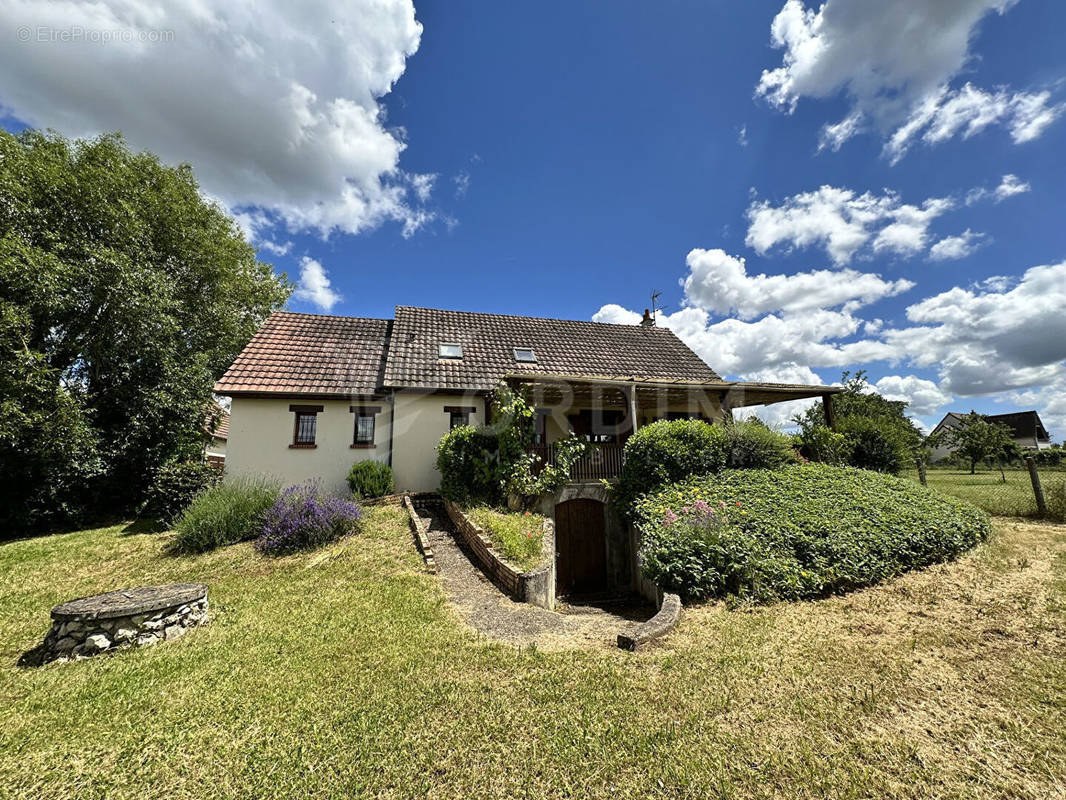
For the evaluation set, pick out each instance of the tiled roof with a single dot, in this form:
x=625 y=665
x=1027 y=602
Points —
x=216 y=422
x=1024 y=424
x=310 y=354
x=562 y=347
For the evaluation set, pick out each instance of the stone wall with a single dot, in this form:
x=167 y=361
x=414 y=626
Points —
x=131 y=618
x=536 y=587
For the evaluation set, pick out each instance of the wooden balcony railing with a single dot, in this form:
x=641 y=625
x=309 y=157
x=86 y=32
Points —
x=602 y=461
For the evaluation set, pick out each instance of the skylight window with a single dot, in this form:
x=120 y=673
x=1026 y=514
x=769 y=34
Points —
x=525 y=354
x=451 y=350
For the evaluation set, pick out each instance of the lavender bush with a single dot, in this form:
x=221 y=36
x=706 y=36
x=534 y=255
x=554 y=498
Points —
x=304 y=518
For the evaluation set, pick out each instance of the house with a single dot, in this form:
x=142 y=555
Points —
x=1026 y=429
x=216 y=431
x=313 y=394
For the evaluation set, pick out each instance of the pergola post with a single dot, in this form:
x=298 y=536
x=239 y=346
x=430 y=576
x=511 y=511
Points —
x=830 y=414
x=631 y=392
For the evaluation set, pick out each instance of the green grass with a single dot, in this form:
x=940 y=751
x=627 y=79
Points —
x=345 y=673
x=518 y=537
x=987 y=490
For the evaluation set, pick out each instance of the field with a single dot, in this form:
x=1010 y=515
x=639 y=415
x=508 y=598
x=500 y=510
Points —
x=344 y=673
x=987 y=490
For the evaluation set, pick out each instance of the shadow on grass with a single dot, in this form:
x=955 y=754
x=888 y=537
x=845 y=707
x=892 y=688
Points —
x=139 y=526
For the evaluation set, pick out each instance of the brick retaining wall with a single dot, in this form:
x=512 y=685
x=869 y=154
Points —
x=536 y=587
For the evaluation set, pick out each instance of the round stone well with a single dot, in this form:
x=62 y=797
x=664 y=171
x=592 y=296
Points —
x=124 y=618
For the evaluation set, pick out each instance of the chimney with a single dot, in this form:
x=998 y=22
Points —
x=647 y=322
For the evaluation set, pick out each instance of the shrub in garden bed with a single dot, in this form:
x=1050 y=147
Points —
x=664 y=452
x=519 y=537
x=798 y=532
x=225 y=514
x=368 y=479
x=303 y=518
x=175 y=486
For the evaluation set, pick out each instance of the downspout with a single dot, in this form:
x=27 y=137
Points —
x=633 y=405
x=392 y=421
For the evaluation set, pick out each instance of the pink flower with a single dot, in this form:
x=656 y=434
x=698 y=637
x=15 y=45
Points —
x=669 y=517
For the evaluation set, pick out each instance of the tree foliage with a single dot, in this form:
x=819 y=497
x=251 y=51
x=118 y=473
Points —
x=493 y=463
x=877 y=433
x=124 y=294
x=976 y=438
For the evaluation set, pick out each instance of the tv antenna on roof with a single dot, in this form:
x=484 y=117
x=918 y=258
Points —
x=655 y=295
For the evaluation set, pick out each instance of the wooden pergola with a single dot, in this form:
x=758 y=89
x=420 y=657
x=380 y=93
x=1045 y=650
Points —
x=634 y=393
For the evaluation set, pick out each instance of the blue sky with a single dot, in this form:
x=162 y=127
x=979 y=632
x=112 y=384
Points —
x=566 y=159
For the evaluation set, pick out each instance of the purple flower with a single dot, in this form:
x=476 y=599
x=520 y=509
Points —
x=303 y=518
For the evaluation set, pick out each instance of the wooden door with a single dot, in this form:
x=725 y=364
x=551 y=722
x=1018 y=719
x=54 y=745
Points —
x=581 y=548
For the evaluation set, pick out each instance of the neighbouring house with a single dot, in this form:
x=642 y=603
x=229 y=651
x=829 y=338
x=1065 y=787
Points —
x=1026 y=429
x=312 y=394
x=216 y=430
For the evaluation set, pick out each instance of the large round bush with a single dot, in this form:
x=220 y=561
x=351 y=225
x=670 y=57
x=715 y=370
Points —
x=876 y=444
x=669 y=451
x=801 y=531
x=369 y=479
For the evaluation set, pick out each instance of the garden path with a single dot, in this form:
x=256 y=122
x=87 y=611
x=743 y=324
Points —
x=490 y=612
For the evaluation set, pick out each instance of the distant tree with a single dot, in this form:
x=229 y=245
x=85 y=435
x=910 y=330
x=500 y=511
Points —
x=975 y=438
x=877 y=433
x=124 y=294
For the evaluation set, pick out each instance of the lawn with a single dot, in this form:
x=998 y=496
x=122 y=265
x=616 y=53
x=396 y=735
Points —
x=987 y=490
x=344 y=673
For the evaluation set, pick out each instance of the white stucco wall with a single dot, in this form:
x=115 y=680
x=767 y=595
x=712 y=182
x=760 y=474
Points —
x=420 y=423
x=261 y=431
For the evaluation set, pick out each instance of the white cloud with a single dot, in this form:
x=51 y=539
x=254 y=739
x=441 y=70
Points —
x=462 y=183
x=955 y=247
x=278 y=106
x=894 y=61
x=984 y=341
x=999 y=337
x=923 y=397
x=968 y=111
x=314 y=285
x=844 y=222
x=719 y=282
x=742 y=136
x=422 y=184
x=278 y=249
x=1008 y=187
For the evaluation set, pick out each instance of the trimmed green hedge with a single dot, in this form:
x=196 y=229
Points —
x=798 y=532
x=667 y=451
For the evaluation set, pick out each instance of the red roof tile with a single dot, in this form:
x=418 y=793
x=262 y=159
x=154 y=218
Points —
x=301 y=354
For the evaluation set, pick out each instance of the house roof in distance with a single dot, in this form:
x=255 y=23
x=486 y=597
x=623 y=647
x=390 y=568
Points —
x=1023 y=424
x=310 y=354
x=569 y=347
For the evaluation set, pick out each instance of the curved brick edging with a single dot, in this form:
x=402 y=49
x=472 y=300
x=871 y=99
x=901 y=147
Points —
x=418 y=529
x=656 y=627
x=536 y=587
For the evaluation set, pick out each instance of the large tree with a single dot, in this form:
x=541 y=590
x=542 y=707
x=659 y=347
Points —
x=124 y=294
x=976 y=438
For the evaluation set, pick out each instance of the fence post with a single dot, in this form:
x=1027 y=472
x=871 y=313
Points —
x=921 y=471
x=1038 y=490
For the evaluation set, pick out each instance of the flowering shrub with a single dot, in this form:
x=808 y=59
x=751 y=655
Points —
x=304 y=518
x=803 y=531
x=225 y=514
